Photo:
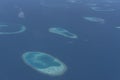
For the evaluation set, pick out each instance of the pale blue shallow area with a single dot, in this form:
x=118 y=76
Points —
x=94 y=55
x=43 y=60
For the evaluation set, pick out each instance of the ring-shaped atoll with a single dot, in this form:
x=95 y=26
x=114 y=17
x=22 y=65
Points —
x=11 y=28
x=62 y=32
x=44 y=63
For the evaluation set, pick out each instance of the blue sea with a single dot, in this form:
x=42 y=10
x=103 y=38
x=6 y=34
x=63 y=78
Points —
x=94 y=55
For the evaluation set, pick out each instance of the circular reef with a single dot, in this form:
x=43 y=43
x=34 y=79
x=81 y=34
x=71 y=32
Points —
x=62 y=32
x=44 y=63
x=11 y=28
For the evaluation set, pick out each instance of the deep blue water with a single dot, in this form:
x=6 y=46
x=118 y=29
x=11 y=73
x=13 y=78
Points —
x=93 y=56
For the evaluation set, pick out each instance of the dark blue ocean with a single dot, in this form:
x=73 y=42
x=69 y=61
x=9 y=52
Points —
x=94 y=55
